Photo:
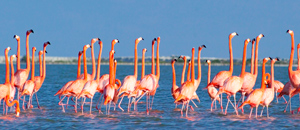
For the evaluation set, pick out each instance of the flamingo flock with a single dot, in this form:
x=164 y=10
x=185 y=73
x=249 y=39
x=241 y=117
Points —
x=112 y=89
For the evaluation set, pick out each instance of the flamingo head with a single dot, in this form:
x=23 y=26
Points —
x=290 y=32
x=138 y=40
x=253 y=40
x=13 y=56
x=277 y=59
x=233 y=34
x=94 y=40
x=33 y=48
x=247 y=40
x=208 y=62
x=144 y=50
x=17 y=37
x=40 y=52
x=153 y=41
x=7 y=49
x=158 y=39
x=173 y=61
x=298 y=46
x=80 y=53
x=200 y=47
x=265 y=60
x=261 y=35
x=29 y=31
x=47 y=43
x=86 y=46
x=17 y=111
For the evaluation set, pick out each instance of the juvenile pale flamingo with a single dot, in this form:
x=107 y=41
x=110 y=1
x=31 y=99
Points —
x=250 y=78
x=129 y=82
x=29 y=84
x=218 y=80
x=109 y=90
x=211 y=90
x=256 y=96
x=75 y=88
x=187 y=89
x=234 y=83
x=91 y=76
x=21 y=75
x=269 y=92
x=39 y=80
x=90 y=87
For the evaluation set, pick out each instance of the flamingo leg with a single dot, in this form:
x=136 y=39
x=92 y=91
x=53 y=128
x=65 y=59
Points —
x=101 y=105
x=287 y=105
x=98 y=102
x=175 y=105
x=59 y=103
x=276 y=96
x=67 y=102
x=120 y=103
x=235 y=105
x=221 y=103
x=194 y=103
x=187 y=109
x=140 y=97
x=152 y=103
x=23 y=102
x=250 y=112
x=147 y=105
x=182 y=109
x=211 y=106
x=268 y=111
x=290 y=103
x=226 y=106
x=256 y=112
x=128 y=108
x=262 y=110
x=75 y=105
x=37 y=100
x=91 y=105
x=285 y=99
x=216 y=105
x=108 y=107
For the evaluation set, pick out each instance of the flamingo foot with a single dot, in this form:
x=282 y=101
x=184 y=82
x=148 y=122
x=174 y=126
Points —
x=285 y=102
x=192 y=108
x=298 y=110
x=284 y=111
x=243 y=110
x=292 y=112
x=31 y=106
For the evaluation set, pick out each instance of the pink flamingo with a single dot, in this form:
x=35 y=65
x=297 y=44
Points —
x=234 y=83
x=269 y=92
x=12 y=80
x=218 y=80
x=29 y=84
x=39 y=80
x=21 y=75
x=75 y=88
x=293 y=75
x=91 y=76
x=256 y=96
x=250 y=78
x=90 y=87
x=129 y=82
x=212 y=91
x=187 y=89
x=5 y=89
x=109 y=90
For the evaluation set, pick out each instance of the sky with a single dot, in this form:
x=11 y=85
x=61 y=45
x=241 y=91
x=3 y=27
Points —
x=181 y=24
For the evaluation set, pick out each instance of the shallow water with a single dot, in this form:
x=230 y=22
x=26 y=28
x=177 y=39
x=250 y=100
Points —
x=163 y=115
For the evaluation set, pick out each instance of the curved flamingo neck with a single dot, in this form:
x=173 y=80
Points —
x=193 y=66
x=208 y=73
x=135 y=59
x=110 y=68
x=93 y=60
x=44 y=62
x=174 y=74
x=157 y=59
x=84 y=64
x=292 y=55
x=231 y=55
x=188 y=76
x=12 y=80
x=252 y=58
x=263 y=79
x=256 y=56
x=199 y=64
x=27 y=54
x=183 y=70
x=99 y=61
x=7 y=67
x=33 y=67
x=272 y=74
x=244 y=60
x=79 y=64
x=152 y=58
x=18 y=55
x=40 y=62
x=143 y=65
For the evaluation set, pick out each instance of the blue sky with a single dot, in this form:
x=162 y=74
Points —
x=69 y=25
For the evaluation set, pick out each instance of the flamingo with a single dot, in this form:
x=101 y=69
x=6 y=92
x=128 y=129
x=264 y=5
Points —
x=39 y=80
x=234 y=83
x=104 y=79
x=60 y=91
x=90 y=87
x=278 y=86
x=75 y=88
x=5 y=89
x=212 y=91
x=294 y=76
x=109 y=90
x=198 y=80
x=12 y=80
x=256 y=96
x=117 y=85
x=21 y=75
x=91 y=76
x=268 y=95
x=187 y=89
x=129 y=82
x=29 y=84
x=250 y=78
x=219 y=78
